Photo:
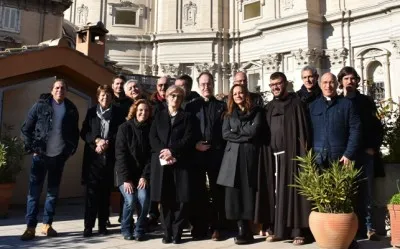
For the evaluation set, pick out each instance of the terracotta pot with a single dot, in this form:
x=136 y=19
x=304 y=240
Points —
x=6 y=190
x=394 y=211
x=115 y=199
x=333 y=231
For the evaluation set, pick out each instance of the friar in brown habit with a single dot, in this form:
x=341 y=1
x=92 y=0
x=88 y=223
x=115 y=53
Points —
x=279 y=207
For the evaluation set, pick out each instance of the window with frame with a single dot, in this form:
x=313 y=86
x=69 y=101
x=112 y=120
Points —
x=125 y=17
x=9 y=19
x=252 y=10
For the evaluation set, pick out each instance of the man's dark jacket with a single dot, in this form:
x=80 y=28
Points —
x=38 y=124
x=308 y=97
x=336 y=129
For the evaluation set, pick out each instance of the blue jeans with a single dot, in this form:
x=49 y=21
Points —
x=142 y=198
x=42 y=165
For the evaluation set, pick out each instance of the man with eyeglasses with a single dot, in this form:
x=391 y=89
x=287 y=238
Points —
x=281 y=209
x=241 y=79
x=208 y=113
x=158 y=97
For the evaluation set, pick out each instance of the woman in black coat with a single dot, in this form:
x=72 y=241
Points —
x=172 y=141
x=99 y=130
x=241 y=128
x=133 y=154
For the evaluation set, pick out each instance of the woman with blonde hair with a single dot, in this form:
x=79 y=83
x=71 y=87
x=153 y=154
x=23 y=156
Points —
x=172 y=141
x=132 y=154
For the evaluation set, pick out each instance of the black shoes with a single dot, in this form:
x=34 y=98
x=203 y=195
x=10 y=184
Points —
x=245 y=235
x=177 y=240
x=103 y=231
x=166 y=240
x=129 y=237
x=88 y=232
x=140 y=237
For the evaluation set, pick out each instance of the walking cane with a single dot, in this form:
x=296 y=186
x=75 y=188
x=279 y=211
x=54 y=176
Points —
x=276 y=174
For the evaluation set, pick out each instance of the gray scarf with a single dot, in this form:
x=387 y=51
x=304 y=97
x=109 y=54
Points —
x=104 y=116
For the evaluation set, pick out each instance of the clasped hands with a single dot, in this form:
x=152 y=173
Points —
x=166 y=155
x=101 y=145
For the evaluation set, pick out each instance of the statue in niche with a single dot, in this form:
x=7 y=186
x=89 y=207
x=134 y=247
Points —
x=288 y=4
x=83 y=12
x=189 y=14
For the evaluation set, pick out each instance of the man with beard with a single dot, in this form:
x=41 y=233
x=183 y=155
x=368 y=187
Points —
x=241 y=79
x=208 y=113
x=186 y=82
x=368 y=155
x=280 y=208
x=310 y=90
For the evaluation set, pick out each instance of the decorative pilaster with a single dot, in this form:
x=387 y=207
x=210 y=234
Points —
x=271 y=62
x=396 y=47
x=337 y=56
x=154 y=69
x=307 y=56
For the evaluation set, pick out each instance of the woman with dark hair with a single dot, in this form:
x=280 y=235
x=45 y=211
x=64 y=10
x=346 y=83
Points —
x=133 y=154
x=99 y=130
x=172 y=142
x=241 y=128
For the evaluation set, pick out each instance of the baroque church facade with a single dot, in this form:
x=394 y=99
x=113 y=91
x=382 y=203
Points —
x=173 y=37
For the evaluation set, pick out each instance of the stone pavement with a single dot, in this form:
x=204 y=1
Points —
x=69 y=224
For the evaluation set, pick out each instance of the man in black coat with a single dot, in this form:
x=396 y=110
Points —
x=310 y=89
x=368 y=154
x=51 y=134
x=241 y=79
x=120 y=99
x=208 y=113
x=286 y=138
x=186 y=82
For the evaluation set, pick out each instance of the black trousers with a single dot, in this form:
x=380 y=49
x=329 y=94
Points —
x=173 y=217
x=97 y=201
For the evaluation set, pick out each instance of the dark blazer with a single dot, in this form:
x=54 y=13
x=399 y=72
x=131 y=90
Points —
x=241 y=132
x=97 y=168
x=179 y=139
x=37 y=125
x=132 y=152
x=336 y=129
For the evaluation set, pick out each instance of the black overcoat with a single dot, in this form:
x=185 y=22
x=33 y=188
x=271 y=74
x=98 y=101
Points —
x=178 y=138
x=99 y=169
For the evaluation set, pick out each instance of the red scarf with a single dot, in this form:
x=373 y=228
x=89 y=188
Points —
x=159 y=98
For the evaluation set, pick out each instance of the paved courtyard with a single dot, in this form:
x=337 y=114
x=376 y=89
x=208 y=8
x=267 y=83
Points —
x=69 y=224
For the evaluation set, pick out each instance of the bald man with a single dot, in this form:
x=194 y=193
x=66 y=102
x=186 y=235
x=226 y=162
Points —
x=241 y=79
x=336 y=125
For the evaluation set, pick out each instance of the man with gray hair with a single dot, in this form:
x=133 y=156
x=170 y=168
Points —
x=310 y=89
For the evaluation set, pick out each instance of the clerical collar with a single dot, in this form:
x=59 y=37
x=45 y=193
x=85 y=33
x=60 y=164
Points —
x=328 y=98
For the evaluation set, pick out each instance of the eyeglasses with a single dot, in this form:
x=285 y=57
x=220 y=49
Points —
x=276 y=84
x=161 y=85
x=178 y=96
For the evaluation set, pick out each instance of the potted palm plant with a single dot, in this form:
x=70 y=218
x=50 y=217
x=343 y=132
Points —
x=331 y=191
x=394 y=212
x=11 y=153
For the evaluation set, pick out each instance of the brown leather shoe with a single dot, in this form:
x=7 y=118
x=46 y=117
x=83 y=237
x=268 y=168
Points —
x=29 y=234
x=49 y=231
x=215 y=236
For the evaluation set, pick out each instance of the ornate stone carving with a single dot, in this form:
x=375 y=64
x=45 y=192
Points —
x=171 y=69
x=83 y=12
x=287 y=4
x=307 y=56
x=396 y=47
x=205 y=67
x=146 y=69
x=271 y=62
x=338 y=57
x=189 y=14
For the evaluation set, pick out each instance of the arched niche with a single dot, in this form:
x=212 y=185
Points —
x=373 y=66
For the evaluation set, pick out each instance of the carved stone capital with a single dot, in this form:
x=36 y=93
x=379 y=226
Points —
x=337 y=56
x=154 y=69
x=271 y=62
x=171 y=69
x=145 y=69
x=206 y=67
x=307 y=56
x=396 y=47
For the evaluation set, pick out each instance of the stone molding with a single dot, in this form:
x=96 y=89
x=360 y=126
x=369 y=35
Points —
x=57 y=8
x=271 y=62
x=172 y=69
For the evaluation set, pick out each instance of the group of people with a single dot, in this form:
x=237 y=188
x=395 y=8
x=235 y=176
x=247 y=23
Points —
x=186 y=156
